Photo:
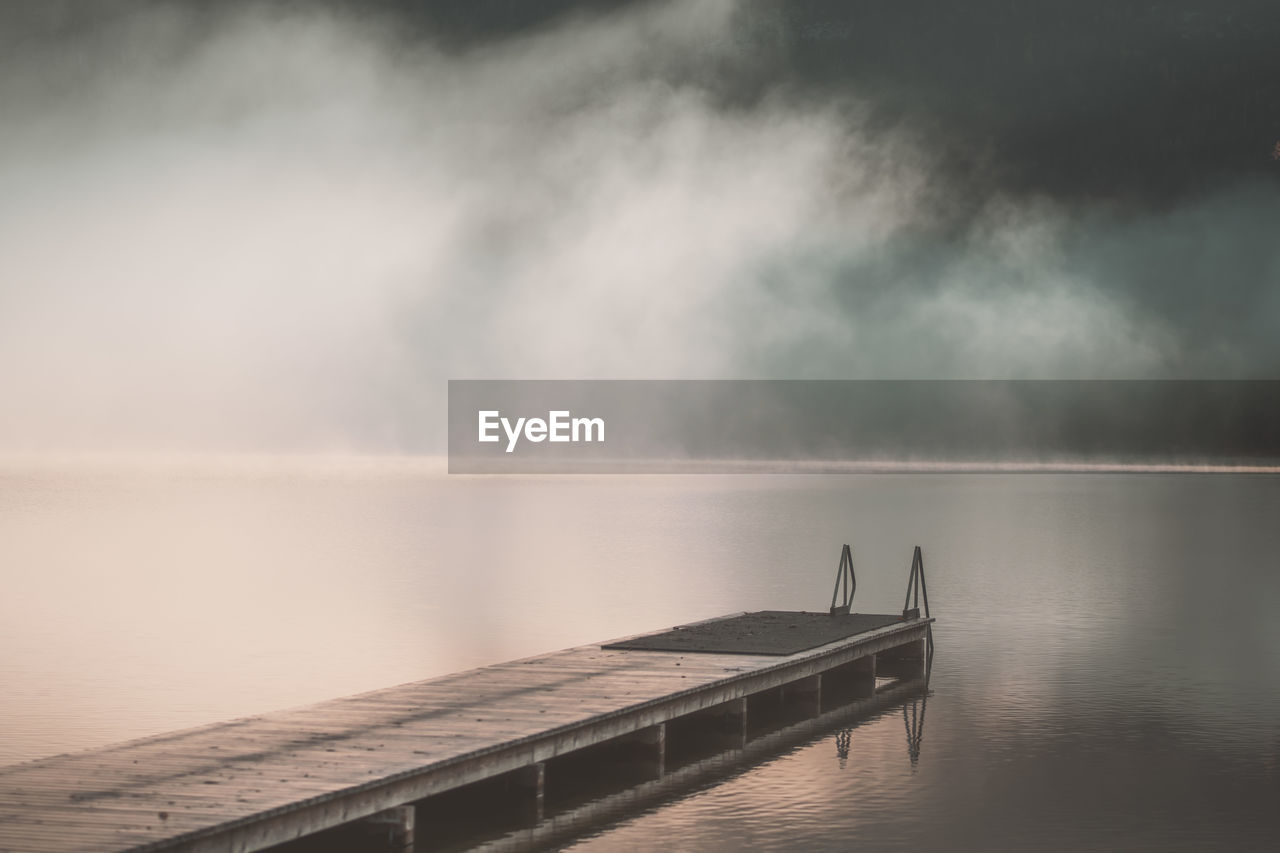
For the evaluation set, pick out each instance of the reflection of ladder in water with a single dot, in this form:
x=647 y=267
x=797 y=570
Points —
x=913 y=720
x=913 y=711
x=845 y=576
x=844 y=739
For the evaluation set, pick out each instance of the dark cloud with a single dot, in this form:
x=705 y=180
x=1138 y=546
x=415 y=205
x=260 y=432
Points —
x=1139 y=102
x=1094 y=100
x=1085 y=100
x=282 y=224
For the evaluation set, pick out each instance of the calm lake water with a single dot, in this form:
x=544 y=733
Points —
x=1107 y=673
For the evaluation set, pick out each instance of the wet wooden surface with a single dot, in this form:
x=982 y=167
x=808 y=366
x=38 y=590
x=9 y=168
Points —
x=297 y=771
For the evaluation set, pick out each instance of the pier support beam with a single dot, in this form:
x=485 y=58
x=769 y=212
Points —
x=908 y=660
x=532 y=780
x=646 y=749
x=393 y=827
x=715 y=729
x=853 y=680
x=864 y=675
x=730 y=721
x=804 y=694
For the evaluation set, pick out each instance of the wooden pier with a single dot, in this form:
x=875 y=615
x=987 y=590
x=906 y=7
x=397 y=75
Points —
x=257 y=782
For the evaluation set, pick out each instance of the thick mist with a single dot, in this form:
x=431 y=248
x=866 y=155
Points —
x=283 y=228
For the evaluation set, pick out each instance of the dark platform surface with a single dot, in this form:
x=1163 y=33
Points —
x=765 y=632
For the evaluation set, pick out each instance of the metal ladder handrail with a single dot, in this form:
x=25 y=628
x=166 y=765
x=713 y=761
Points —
x=844 y=573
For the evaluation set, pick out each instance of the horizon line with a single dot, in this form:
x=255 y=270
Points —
x=423 y=463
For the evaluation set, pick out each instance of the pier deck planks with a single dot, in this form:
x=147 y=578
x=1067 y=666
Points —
x=250 y=783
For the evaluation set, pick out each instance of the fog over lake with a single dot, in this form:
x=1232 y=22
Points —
x=247 y=247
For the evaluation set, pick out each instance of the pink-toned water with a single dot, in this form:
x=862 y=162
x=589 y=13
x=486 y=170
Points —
x=1107 y=674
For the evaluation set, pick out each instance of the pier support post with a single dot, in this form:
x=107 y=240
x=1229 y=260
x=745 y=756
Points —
x=659 y=738
x=908 y=660
x=731 y=722
x=853 y=680
x=642 y=752
x=394 y=826
x=533 y=780
x=864 y=673
x=653 y=742
x=805 y=693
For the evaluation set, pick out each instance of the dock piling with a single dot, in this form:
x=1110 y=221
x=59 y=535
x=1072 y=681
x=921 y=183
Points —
x=805 y=694
x=853 y=680
x=532 y=780
x=391 y=829
x=411 y=760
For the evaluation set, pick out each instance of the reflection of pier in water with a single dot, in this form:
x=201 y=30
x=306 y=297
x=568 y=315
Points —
x=533 y=732
x=634 y=785
x=545 y=734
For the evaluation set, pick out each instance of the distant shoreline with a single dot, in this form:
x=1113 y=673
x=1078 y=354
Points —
x=337 y=464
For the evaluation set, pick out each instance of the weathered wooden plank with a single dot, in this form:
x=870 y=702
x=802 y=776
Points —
x=256 y=781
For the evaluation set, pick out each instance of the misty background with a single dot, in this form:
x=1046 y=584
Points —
x=282 y=226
